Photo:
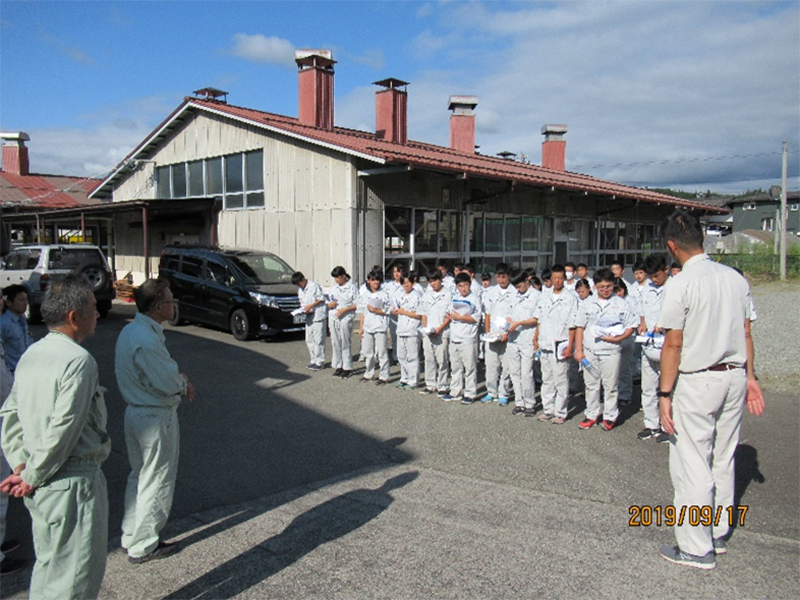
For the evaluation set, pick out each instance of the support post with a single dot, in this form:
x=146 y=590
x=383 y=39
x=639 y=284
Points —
x=145 y=243
x=784 y=216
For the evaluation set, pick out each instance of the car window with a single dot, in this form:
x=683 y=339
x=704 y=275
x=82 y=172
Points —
x=71 y=258
x=170 y=262
x=192 y=266
x=262 y=268
x=21 y=260
x=215 y=272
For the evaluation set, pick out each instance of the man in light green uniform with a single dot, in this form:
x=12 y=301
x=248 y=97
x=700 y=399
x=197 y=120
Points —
x=152 y=386
x=54 y=433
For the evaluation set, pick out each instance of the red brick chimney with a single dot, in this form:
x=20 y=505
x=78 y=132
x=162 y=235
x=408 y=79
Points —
x=15 y=154
x=315 y=80
x=391 y=111
x=554 y=147
x=462 y=123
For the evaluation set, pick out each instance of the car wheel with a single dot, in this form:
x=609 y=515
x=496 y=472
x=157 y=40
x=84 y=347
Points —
x=97 y=276
x=176 y=320
x=240 y=324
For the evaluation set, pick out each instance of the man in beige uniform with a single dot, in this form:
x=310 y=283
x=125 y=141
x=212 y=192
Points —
x=706 y=377
x=54 y=434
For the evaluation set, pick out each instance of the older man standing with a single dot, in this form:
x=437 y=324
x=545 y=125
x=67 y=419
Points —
x=706 y=378
x=152 y=386
x=54 y=433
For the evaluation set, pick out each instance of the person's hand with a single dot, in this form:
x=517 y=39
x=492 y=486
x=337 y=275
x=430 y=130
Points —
x=512 y=325
x=642 y=329
x=191 y=393
x=754 y=398
x=333 y=304
x=13 y=485
x=658 y=330
x=361 y=333
x=503 y=338
x=665 y=412
x=567 y=353
x=395 y=311
x=340 y=313
x=535 y=345
x=308 y=309
x=578 y=355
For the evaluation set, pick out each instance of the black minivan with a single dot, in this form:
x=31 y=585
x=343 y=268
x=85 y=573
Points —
x=248 y=292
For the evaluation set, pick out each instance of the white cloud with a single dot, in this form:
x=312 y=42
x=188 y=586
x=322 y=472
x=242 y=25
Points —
x=261 y=49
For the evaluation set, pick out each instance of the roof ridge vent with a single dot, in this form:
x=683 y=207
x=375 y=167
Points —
x=211 y=94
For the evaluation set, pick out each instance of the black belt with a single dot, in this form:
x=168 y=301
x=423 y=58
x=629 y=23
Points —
x=724 y=367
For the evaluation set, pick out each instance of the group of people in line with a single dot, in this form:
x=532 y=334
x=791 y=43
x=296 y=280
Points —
x=54 y=434
x=562 y=332
x=697 y=374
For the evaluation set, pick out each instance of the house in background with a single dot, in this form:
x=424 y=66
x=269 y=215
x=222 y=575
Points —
x=760 y=212
x=25 y=194
x=320 y=195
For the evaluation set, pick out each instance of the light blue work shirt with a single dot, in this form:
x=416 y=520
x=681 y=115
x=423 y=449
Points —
x=146 y=373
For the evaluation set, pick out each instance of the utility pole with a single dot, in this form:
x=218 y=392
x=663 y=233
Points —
x=783 y=210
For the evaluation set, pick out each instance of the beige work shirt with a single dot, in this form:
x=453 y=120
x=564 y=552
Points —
x=709 y=302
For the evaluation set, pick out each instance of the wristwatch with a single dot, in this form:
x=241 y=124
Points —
x=661 y=394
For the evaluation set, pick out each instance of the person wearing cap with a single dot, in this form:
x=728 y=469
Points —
x=707 y=377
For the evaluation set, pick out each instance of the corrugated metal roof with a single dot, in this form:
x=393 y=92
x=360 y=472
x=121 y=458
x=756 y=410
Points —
x=45 y=191
x=415 y=154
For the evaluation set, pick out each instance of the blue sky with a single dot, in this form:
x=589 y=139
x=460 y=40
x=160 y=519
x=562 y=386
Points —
x=687 y=94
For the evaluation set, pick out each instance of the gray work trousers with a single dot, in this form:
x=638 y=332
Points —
x=651 y=371
x=315 y=340
x=408 y=357
x=373 y=345
x=707 y=411
x=437 y=361
x=152 y=436
x=498 y=375
x=341 y=338
x=519 y=358
x=555 y=384
x=69 y=517
x=606 y=367
x=463 y=369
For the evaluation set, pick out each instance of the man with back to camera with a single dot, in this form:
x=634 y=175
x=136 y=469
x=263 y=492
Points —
x=54 y=433
x=152 y=386
x=707 y=376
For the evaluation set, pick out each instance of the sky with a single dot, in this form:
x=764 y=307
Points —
x=691 y=95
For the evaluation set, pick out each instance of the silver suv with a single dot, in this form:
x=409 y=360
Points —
x=36 y=266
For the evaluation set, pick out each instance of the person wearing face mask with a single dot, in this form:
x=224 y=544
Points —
x=569 y=276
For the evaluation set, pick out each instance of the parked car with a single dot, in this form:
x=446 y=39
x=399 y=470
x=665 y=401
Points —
x=37 y=266
x=247 y=292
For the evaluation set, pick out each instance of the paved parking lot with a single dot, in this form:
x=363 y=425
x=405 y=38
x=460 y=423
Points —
x=297 y=484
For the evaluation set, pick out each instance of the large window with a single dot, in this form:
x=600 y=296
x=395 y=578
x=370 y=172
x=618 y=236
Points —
x=238 y=178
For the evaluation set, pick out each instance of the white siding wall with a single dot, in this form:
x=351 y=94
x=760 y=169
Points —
x=310 y=204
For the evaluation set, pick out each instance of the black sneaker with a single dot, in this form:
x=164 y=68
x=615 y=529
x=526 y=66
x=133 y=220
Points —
x=662 y=437
x=345 y=374
x=338 y=372
x=163 y=550
x=467 y=400
x=647 y=433
x=518 y=410
x=382 y=382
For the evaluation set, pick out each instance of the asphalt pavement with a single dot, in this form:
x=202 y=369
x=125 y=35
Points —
x=298 y=484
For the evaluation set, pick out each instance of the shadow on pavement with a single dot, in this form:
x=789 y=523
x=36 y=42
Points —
x=323 y=523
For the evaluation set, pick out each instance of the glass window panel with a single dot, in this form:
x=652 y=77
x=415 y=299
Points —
x=255 y=199
x=254 y=167
x=196 y=178
x=530 y=234
x=494 y=233
x=234 y=201
x=179 y=181
x=163 y=186
x=513 y=240
x=397 y=230
x=214 y=176
x=450 y=237
x=547 y=236
x=476 y=233
x=215 y=272
x=425 y=230
x=192 y=266
x=233 y=173
x=608 y=235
